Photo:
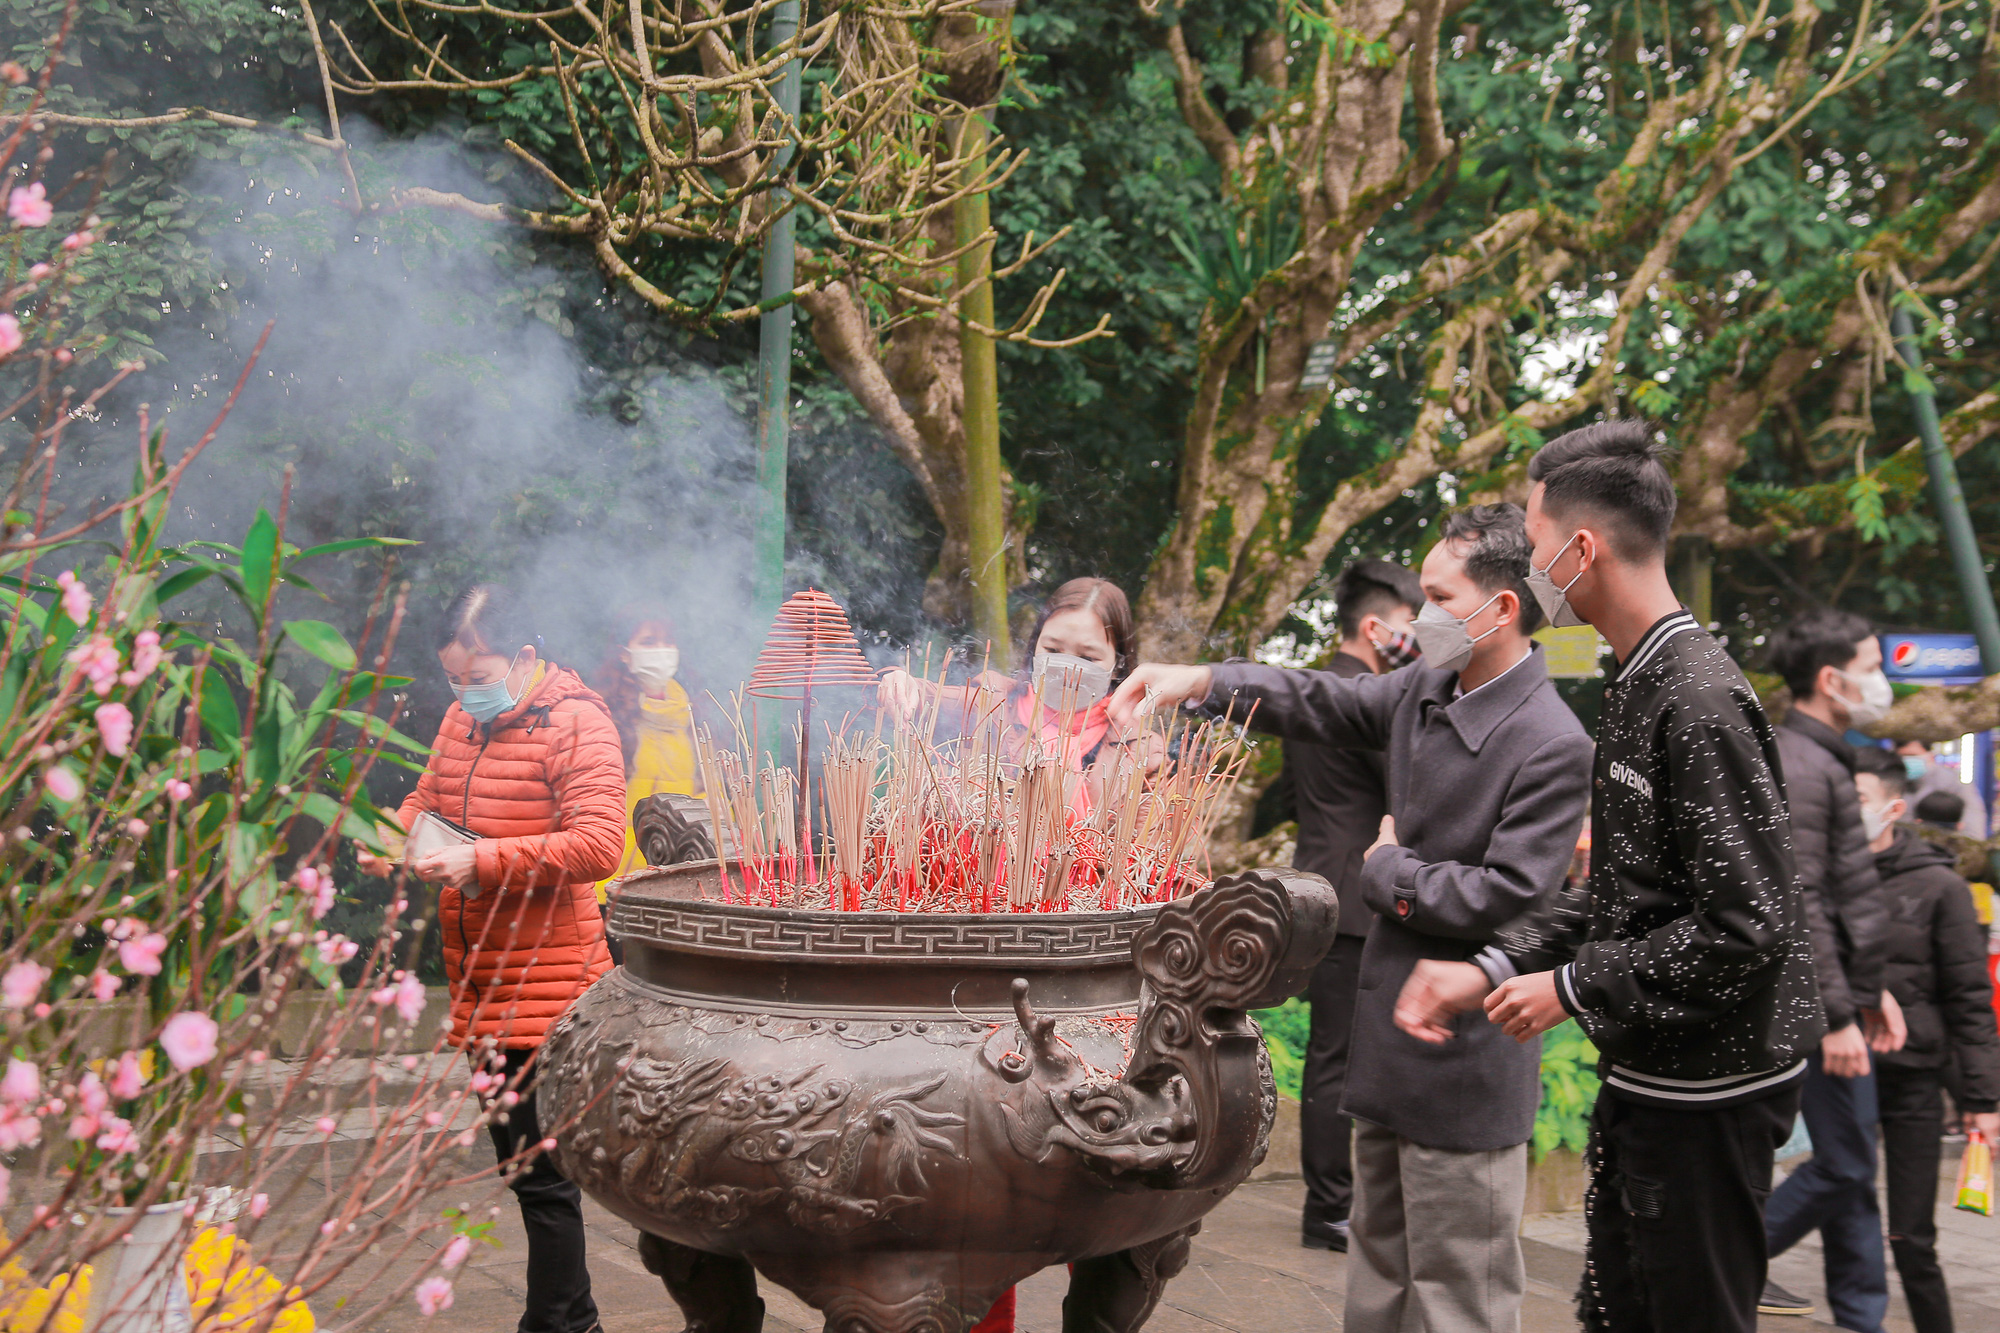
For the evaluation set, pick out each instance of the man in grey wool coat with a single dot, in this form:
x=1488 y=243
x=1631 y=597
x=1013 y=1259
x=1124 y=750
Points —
x=1488 y=778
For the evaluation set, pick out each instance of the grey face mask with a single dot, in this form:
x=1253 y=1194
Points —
x=1446 y=642
x=1554 y=601
x=1075 y=681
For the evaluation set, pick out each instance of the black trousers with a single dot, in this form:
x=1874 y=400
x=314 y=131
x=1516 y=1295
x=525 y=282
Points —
x=1675 y=1214
x=1912 y=1127
x=559 y=1298
x=1326 y=1137
x=1833 y=1193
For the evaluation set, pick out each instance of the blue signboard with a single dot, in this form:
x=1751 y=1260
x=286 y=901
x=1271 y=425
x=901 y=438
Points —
x=1932 y=659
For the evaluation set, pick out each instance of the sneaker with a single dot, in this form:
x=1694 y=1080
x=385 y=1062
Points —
x=1324 y=1236
x=1776 y=1300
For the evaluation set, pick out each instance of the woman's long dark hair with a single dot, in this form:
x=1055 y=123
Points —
x=1103 y=599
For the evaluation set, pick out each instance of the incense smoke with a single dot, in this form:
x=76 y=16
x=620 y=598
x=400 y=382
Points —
x=429 y=377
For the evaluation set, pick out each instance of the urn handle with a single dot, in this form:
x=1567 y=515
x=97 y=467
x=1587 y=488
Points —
x=1245 y=942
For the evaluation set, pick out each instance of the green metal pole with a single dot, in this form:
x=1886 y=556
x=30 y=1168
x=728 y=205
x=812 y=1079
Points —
x=774 y=380
x=1949 y=498
x=986 y=531
x=774 y=351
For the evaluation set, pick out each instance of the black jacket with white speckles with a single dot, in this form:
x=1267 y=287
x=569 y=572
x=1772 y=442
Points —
x=1686 y=956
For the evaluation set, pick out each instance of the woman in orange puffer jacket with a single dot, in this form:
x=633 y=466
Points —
x=528 y=760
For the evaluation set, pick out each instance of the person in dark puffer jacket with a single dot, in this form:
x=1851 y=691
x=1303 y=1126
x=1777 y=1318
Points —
x=1816 y=654
x=1935 y=965
x=1833 y=664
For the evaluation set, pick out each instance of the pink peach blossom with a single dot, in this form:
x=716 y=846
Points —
x=114 y=724
x=260 y=1204
x=18 y=1129
x=455 y=1253
x=78 y=240
x=141 y=956
x=178 y=790
x=13 y=73
x=103 y=985
x=117 y=1136
x=410 y=998
x=129 y=1080
x=337 y=950
x=75 y=597
x=326 y=1124
x=10 y=335
x=91 y=1096
x=22 y=984
x=97 y=659
x=189 y=1039
x=434 y=1294
x=29 y=206
x=6 y=1184
x=83 y=1127
x=317 y=885
x=22 y=1083
x=62 y=783
x=145 y=656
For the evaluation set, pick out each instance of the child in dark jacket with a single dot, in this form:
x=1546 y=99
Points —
x=1936 y=969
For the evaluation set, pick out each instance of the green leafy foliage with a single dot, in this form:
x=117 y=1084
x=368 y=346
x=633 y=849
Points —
x=1286 y=1029
x=1569 y=1090
x=1569 y=1073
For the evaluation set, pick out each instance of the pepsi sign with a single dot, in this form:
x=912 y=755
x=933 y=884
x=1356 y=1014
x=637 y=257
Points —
x=1932 y=659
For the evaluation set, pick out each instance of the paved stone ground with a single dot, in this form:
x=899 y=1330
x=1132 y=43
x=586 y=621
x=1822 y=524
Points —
x=1247 y=1275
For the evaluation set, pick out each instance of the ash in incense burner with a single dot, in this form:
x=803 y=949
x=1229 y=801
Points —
x=898 y=1115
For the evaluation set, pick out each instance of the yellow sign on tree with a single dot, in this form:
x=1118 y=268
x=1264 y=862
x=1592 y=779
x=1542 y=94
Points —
x=1572 y=651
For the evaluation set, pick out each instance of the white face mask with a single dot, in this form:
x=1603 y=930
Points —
x=1075 y=682
x=1446 y=643
x=1876 y=696
x=1874 y=821
x=1554 y=601
x=653 y=667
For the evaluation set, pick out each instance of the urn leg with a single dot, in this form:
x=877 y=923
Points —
x=1116 y=1293
x=717 y=1292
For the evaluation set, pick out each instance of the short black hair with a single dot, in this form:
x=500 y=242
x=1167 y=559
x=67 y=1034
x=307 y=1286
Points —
x=1822 y=638
x=1616 y=469
x=1885 y=765
x=488 y=618
x=1496 y=555
x=1943 y=809
x=1371 y=587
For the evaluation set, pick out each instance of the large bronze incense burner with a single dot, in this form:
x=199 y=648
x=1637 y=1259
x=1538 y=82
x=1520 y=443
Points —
x=900 y=1115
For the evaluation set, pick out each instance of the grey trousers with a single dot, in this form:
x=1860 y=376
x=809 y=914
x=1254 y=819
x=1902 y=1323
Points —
x=1435 y=1241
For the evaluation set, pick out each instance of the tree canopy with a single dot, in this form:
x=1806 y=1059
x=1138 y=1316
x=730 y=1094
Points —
x=1494 y=219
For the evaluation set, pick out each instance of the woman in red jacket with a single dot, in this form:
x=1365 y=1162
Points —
x=527 y=760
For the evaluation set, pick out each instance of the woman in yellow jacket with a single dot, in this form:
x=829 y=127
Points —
x=655 y=719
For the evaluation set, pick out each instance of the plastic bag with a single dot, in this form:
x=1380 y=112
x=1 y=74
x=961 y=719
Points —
x=1975 y=1176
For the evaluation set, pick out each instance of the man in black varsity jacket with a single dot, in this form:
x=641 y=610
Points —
x=1686 y=956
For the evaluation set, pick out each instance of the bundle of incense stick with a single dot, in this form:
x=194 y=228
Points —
x=996 y=816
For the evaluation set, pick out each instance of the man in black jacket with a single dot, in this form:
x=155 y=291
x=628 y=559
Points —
x=1340 y=798
x=1686 y=956
x=1833 y=664
x=1935 y=965
x=1488 y=776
